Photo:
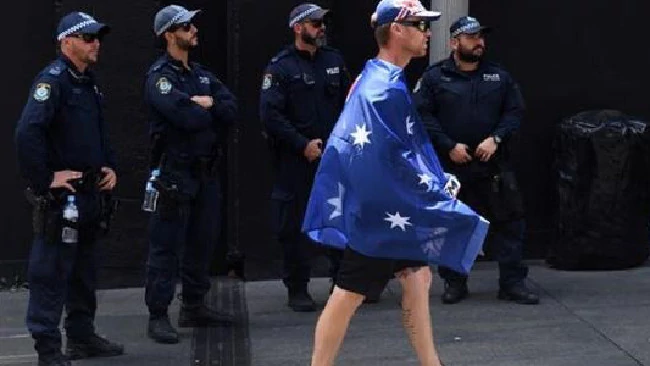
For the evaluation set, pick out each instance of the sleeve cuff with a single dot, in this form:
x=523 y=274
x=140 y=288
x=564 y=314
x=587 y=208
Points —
x=300 y=143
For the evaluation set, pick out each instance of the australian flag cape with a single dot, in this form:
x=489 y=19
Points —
x=380 y=188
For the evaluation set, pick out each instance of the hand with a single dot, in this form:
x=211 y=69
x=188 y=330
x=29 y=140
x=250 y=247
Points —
x=313 y=150
x=204 y=101
x=109 y=181
x=460 y=154
x=486 y=149
x=62 y=179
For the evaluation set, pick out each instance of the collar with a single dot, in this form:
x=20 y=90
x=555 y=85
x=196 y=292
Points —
x=305 y=54
x=175 y=64
x=81 y=77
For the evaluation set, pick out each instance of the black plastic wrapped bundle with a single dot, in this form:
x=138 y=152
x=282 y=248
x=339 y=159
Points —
x=603 y=178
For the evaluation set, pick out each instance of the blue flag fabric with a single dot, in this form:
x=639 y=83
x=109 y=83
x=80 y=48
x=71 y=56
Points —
x=380 y=188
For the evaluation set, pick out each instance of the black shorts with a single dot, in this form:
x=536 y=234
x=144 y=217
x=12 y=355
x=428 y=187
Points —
x=365 y=275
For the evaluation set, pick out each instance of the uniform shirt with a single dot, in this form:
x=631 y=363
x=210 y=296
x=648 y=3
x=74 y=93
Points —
x=302 y=96
x=187 y=129
x=62 y=126
x=461 y=107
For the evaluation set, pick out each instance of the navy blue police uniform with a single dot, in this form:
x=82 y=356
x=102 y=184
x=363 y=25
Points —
x=458 y=107
x=62 y=127
x=469 y=107
x=185 y=226
x=301 y=98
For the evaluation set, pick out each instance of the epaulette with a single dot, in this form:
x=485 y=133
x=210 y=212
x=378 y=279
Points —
x=196 y=65
x=56 y=68
x=330 y=49
x=158 y=65
x=493 y=64
x=436 y=64
x=284 y=53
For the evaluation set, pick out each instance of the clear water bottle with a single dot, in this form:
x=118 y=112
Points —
x=151 y=193
x=69 y=232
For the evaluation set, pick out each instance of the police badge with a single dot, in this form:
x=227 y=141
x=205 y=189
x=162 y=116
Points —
x=164 y=86
x=42 y=92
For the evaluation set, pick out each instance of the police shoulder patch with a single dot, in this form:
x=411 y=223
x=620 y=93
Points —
x=163 y=85
x=267 y=82
x=42 y=92
x=285 y=52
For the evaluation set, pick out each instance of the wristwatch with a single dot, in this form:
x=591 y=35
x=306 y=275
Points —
x=497 y=139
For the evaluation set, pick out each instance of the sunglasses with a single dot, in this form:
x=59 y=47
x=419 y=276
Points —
x=184 y=26
x=87 y=38
x=422 y=25
x=315 y=23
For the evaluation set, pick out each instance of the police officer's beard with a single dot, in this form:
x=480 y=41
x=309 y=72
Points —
x=184 y=44
x=468 y=56
x=85 y=57
x=318 y=41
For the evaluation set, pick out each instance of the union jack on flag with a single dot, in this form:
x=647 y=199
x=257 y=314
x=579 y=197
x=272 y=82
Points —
x=408 y=8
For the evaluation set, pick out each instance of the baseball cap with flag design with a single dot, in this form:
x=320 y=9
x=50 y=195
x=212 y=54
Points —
x=389 y=11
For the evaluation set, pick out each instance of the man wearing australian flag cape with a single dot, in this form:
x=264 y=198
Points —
x=381 y=195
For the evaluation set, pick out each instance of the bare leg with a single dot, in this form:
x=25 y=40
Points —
x=415 y=313
x=333 y=324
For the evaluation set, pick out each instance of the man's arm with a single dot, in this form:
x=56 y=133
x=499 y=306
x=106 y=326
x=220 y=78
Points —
x=427 y=106
x=273 y=106
x=346 y=82
x=224 y=108
x=164 y=96
x=110 y=160
x=31 y=133
x=512 y=111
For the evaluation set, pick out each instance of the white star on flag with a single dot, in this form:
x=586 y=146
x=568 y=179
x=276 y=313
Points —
x=409 y=125
x=398 y=221
x=426 y=179
x=406 y=154
x=360 y=136
x=337 y=202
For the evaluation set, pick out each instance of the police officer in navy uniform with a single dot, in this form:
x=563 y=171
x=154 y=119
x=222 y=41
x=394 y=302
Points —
x=471 y=108
x=303 y=92
x=62 y=141
x=189 y=109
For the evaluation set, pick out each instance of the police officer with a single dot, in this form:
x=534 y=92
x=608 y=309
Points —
x=63 y=150
x=189 y=109
x=303 y=91
x=471 y=107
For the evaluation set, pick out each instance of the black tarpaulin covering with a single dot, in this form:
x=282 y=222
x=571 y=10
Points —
x=603 y=168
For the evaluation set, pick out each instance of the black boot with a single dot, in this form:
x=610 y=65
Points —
x=455 y=291
x=519 y=293
x=93 y=346
x=199 y=315
x=52 y=359
x=300 y=300
x=161 y=331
